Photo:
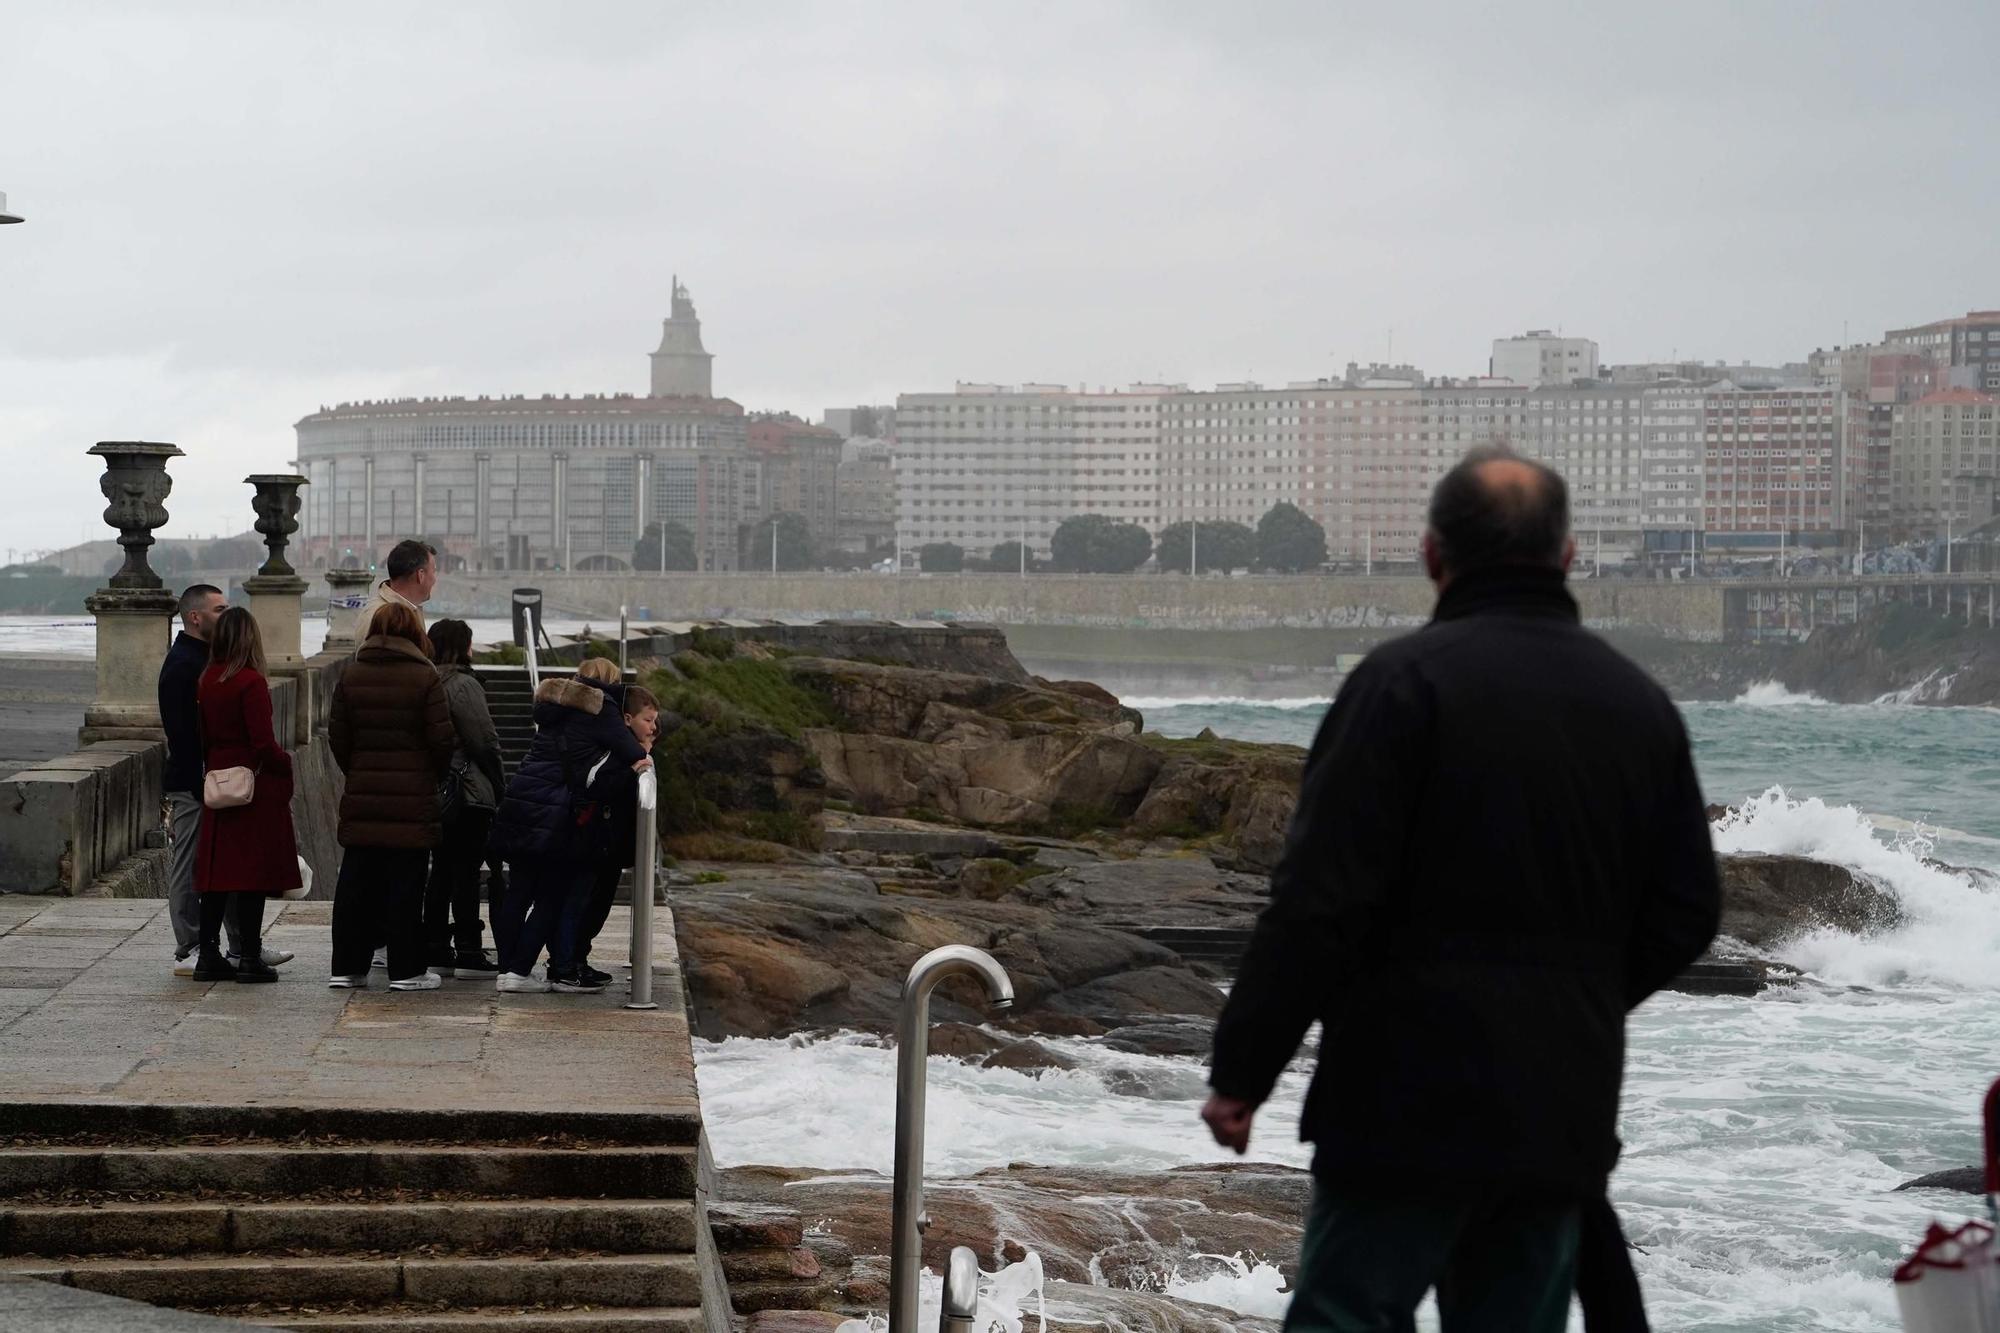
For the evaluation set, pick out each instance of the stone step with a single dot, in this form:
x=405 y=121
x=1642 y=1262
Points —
x=263 y=1171
x=232 y=1281
x=614 y=1227
x=66 y=1123
x=422 y=1319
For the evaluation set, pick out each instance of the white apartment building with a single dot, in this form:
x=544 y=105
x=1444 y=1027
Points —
x=1539 y=357
x=989 y=463
x=1944 y=455
x=1362 y=462
x=1670 y=463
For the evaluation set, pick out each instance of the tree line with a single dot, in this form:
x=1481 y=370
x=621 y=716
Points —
x=1286 y=540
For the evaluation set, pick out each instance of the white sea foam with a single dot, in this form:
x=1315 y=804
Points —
x=1951 y=929
x=1297 y=704
x=1248 y=1287
x=1771 y=694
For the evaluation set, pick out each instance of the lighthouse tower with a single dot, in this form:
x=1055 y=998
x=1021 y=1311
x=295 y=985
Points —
x=681 y=368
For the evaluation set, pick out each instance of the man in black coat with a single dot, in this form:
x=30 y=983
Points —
x=1499 y=849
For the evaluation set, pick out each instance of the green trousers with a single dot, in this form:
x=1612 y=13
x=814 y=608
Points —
x=1499 y=1264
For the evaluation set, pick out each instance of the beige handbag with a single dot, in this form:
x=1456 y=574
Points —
x=227 y=788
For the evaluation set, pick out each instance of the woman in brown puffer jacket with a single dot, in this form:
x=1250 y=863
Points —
x=392 y=736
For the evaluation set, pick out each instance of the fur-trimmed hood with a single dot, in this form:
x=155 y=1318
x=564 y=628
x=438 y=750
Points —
x=569 y=692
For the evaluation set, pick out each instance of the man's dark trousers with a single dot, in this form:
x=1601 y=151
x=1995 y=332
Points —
x=1500 y=1264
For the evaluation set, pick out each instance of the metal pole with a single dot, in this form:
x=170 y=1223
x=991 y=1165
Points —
x=645 y=860
x=961 y=1292
x=908 y=1221
x=624 y=633
x=774 y=543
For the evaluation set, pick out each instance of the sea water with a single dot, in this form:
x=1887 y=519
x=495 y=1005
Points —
x=1764 y=1136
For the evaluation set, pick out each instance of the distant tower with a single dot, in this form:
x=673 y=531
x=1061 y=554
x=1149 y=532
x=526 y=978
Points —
x=681 y=369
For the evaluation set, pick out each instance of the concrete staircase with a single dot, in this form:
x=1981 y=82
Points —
x=417 y=1221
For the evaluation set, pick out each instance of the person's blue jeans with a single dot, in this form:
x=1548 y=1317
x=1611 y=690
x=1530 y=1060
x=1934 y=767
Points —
x=1500 y=1263
x=537 y=893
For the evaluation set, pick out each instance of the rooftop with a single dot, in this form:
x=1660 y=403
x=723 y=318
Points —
x=519 y=404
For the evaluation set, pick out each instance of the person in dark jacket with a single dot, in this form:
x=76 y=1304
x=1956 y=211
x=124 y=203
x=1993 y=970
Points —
x=246 y=853
x=1499 y=848
x=391 y=734
x=452 y=938
x=614 y=826
x=543 y=829
x=180 y=679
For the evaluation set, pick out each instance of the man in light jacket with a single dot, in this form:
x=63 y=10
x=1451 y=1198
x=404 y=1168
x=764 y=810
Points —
x=413 y=576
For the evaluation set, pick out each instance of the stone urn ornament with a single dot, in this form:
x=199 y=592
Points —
x=136 y=483
x=276 y=504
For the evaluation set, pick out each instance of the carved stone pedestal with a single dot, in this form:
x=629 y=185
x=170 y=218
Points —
x=347 y=593
x=276 y=592
x=134 y=614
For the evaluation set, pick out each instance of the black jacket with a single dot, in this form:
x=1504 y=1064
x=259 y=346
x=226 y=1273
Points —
x=541 y=815
x=180 y=681
x=1499 y=849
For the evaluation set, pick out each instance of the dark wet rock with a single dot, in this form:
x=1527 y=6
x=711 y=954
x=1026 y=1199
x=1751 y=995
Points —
x=1767 y=900
x=1961 y=1179
x=1028 y=1056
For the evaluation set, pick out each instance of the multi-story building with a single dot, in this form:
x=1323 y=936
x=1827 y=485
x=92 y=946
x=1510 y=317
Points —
x=796 y=466
x=1670 y=466
x=1945 y=455
x=1969 y=347
x=1362 y=462
x=1774 y=472
x=989 y=463
x=1539 y=357
x=514 y=482
x=1742 y=374
x=865 y=503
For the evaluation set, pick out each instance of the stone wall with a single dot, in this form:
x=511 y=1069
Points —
x=90 y=822
x=1679 y=610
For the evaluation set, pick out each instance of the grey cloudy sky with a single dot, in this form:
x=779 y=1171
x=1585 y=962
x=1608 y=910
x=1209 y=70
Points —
x=238 y=212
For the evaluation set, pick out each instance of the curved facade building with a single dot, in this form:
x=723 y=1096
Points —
x=514 y=482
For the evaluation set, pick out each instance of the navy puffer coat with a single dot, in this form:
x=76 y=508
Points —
x=577 y=723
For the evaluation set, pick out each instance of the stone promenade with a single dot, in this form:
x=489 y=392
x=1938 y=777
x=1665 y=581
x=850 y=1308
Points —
x=90 y=1011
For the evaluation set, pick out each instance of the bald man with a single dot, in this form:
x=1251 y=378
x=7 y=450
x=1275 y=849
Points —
x=1499 y=849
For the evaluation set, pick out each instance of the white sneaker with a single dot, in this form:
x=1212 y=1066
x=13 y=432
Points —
x=513 y=983
x=272 y=957
x=381 y=960
x=184 y=966
x=422 y=981
x=338 y=982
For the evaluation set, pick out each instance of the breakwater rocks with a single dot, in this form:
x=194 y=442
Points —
x=823 y=943
x=1124 y=1232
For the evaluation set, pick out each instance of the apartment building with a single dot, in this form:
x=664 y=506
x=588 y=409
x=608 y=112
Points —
x=795 y=469
x=1944 y=450
x=989 y=463
x=1773 y=468
x=1539 y=357
x=1968 y=347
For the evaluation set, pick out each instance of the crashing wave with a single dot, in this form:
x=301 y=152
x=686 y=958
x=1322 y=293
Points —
x=1772 y=694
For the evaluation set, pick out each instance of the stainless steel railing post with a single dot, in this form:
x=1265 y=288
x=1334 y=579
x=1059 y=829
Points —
x=645 y=861
x=534 y=667
x=961 y=1292
x=624 y=633
x=908 y=1221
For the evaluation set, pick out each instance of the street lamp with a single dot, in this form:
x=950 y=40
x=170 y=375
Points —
x=5 y=216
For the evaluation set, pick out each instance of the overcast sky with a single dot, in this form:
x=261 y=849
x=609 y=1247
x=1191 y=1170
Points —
x=237 y=212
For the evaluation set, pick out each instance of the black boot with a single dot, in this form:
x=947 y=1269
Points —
x=212 y=966
x=249 y=911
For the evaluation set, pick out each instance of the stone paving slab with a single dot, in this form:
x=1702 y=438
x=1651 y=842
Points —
x=90 y=1012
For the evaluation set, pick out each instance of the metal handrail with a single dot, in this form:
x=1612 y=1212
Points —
x=624 y=633
x=534 y=663
x=961 y=1292
x=908 y=1220
x=645 y=862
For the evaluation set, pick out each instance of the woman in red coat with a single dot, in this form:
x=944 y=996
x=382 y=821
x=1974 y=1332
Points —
x=246 y=853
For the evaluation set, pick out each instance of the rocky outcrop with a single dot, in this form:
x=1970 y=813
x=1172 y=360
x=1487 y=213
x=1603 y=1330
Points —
x=1061 y=755
x=1957 y=1179
x=1767 y=900
x=1136 y=1227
